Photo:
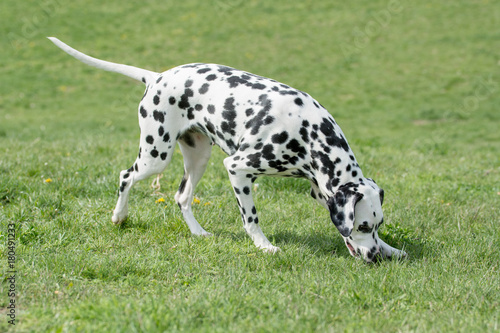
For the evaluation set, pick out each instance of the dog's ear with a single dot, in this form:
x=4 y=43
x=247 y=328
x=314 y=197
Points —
x=381 y=193
x=341 y=207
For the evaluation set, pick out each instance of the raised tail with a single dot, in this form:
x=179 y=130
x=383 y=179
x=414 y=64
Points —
x=138 y=74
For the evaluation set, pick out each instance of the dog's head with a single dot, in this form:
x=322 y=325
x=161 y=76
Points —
x=356 y=211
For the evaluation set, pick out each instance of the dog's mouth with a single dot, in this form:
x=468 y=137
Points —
x=351 y=249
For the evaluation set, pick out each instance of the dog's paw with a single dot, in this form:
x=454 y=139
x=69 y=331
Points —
x=271 y=249
x=117 y=219
x=202 y=233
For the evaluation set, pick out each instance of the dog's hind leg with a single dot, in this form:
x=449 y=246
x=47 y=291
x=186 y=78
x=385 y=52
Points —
x=155 y=153
x=196 y=149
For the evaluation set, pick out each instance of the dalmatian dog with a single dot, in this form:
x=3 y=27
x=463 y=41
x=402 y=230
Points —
x=266 y=128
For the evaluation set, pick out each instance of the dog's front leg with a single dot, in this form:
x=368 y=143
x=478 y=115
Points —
x=242 y=185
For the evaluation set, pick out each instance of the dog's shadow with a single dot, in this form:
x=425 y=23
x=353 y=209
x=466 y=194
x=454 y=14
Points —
x=320 y=244
x=326 y=244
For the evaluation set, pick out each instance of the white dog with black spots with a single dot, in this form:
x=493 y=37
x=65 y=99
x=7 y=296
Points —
x=266 y=128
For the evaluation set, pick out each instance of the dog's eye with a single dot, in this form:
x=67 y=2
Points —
x=365 y=228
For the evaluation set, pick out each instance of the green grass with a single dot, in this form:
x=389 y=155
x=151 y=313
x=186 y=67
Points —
x=410 y=95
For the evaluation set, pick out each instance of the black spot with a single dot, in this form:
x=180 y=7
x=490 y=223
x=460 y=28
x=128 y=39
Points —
x=234 y=81
x=237 y=190
x=211 y=77
x=291 y=159
x=244 y=146
x=150 y=139
x=278 y=165
x=288 y=92
x=204 y=88
x=254 y=160
x=125 y=176
x=295 y=147
x=184 y=102
x=249 y=112
x=210 y=127
x=299 y=101
x=182 y=185
x=158 y=116
x=229 y=114
x=156 y=99
x=171 y=100
x=280 y=138
x=122 y=186
x=258 y=146
x=340 y=216
x=332 y=139
x=143 y=112
x=188 y=83
x=267 y=152
x=166 y=137
x=354 y=173
x=258 y=86
x=304 y=134
x=254 y=211
x=211 y=109
x=159 y=79
x=160 y=131
x=154 y=153
x=198 y=107
x=190 y=113
x=262 y=117
x=204 y=70
x=226 y=70
x=163 y=156
x=328 y=166
x=246 y=190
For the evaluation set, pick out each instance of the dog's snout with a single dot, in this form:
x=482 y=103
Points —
x=376 y=257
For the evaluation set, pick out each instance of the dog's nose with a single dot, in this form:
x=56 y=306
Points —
x=374 y=255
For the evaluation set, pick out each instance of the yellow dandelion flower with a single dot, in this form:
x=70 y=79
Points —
x=48 y=180
x=160 y=200
x=207 y=203
x=196 y=201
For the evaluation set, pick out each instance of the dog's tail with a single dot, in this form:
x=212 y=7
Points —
x=138 y=74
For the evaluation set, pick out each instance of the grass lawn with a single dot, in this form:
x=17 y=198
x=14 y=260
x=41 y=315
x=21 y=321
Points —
x=415 y=86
